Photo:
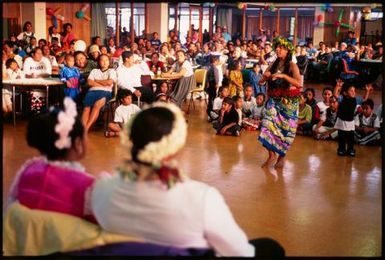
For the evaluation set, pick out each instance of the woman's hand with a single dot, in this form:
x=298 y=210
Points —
x=277 y=76
x=267 y=75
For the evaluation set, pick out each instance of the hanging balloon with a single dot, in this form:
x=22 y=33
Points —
x=79 y=14
x=266 y=7
x=118 y=52
x=212 y=5
x=319 y=17
x=373 y=6
x=49 y=11
x=330 y=10
x=54 y=21
x=244 y=6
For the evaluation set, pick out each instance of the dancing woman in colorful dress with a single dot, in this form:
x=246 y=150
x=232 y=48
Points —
x=279 y=124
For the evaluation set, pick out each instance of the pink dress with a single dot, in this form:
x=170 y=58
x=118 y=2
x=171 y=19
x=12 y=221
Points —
x=52 y=186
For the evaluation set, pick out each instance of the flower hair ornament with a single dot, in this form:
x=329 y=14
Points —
x=66 y=121
x=282 y=41
x=155 y=153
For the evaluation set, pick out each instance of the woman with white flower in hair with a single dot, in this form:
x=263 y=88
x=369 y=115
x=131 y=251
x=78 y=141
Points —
x=55 y=181
x=151 y=198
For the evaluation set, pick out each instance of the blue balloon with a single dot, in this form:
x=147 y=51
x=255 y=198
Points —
x=54 y=21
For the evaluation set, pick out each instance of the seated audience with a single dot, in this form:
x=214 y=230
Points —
x=304 y=117
x=367 y=125
x=147 y=198
x=253 y=122
x=100 y=82
x=223 y=92
x=129 y=77
x=55 y=181
x=227 y=123
x=248 y=100
x=181 y=71
x=324 y=129
x=123 y=112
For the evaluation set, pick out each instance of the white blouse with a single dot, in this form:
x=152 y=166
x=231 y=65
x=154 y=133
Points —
x=189 y=215
x=187 y=65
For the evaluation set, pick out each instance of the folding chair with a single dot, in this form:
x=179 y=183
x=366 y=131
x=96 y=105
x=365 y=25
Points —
x=110 y=107
x=200 y=78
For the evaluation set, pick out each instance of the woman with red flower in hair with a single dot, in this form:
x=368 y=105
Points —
x=151 y=198
x=279 y=124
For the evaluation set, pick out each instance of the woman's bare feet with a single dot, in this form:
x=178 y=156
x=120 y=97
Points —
x=280 y=162
x=270 y=160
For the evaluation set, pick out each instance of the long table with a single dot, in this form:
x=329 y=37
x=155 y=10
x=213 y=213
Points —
x=28 y=84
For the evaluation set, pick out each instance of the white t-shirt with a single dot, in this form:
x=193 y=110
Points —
x=123 y=113
x=248 y=104
x=187 y=65
x=58 y=36
x=97 y=74
x=366 y=121
x=15 y=74
x=218 y=72
x=217 y=104
x=129 y=77
x=53 y=61
x=37 y=67
x=21 y=35
x=190 y=215
x=322 y=107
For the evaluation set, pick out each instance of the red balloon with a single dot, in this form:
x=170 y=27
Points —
x=337 y=23
x=266 y=7
x=319 y=17
x=50 y=11
x=118 y=52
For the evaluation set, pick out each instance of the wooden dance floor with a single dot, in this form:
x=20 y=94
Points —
x=319 y=204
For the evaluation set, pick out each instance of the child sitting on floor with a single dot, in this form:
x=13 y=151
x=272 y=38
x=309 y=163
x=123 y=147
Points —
x=123 y=113
x=324 y=129
x=248 y=100
x=253 y=122
x=304 y=117
x=367 y=125
x=217 y=104
x=55 y=181
x=228 y=119
x=238 y=103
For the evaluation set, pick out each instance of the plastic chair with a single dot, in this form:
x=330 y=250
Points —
x=200 y=78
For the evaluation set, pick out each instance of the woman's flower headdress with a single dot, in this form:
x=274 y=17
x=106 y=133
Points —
x=66 y=121
x=154 y=152
x=282 y=41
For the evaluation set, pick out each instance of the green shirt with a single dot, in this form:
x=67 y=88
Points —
x=305 y=113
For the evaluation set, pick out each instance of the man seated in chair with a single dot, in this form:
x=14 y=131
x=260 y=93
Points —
x=129 y=77
x=320 y=66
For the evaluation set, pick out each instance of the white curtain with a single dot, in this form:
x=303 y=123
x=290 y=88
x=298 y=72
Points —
x=224 y=18
x=99 y=21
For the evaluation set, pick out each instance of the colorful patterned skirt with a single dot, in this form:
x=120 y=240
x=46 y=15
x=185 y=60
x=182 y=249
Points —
x=279 y=124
